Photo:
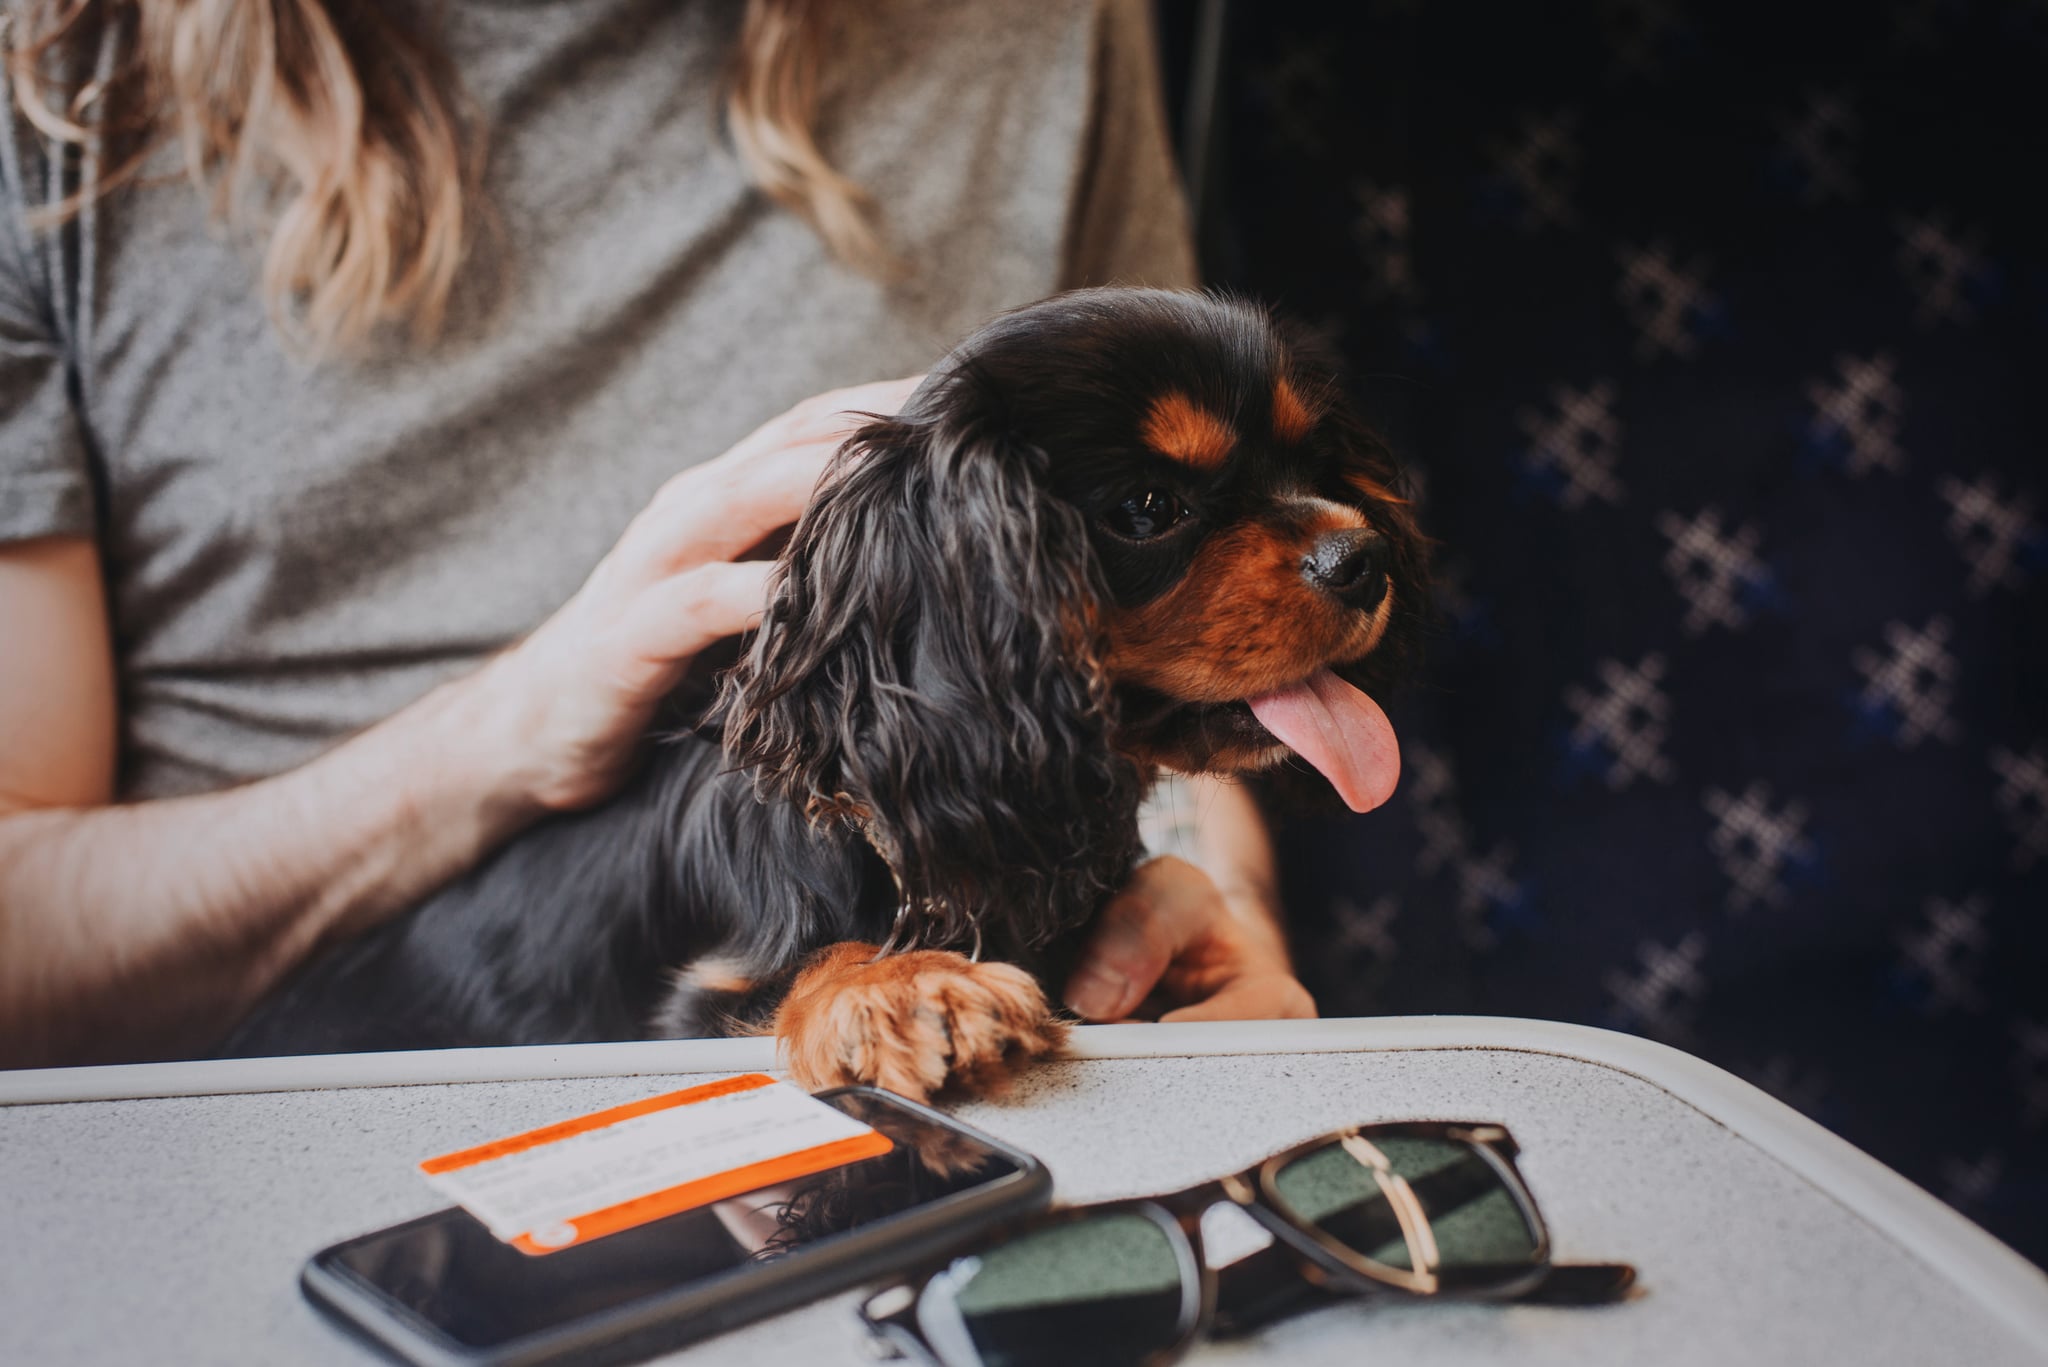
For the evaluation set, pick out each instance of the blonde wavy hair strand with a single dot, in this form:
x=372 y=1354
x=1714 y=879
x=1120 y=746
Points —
x=337 y=130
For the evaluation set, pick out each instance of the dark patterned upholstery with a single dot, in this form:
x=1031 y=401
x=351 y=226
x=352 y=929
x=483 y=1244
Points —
x=1717 y=337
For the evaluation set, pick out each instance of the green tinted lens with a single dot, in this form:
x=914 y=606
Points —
x=1463 y=1214
x=1101 y=1291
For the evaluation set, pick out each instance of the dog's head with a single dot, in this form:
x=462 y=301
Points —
x=1113 y=531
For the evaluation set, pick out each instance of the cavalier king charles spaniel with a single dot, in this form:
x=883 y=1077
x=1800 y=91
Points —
x=1116 y=532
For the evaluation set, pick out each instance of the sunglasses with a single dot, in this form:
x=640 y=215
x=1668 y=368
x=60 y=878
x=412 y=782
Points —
x=1425 y=1209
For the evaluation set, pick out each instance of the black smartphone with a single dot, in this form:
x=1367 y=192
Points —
x=443 y=1290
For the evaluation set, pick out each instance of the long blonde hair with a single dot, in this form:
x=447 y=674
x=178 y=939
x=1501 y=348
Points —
x=337 y=129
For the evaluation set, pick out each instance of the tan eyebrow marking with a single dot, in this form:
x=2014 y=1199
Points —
x=1373 y=489
x=1291 y=417
x=1179 y=427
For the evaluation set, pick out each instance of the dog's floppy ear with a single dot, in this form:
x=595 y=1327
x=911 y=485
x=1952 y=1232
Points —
x=928 y=670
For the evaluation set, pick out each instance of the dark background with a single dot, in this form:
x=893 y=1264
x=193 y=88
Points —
x=1714 y=336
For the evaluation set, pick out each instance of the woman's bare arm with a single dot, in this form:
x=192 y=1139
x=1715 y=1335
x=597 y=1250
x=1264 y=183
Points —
x=146 y=930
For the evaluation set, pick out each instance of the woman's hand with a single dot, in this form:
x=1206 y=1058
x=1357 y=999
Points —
x=1217 y=955
x=573 y=699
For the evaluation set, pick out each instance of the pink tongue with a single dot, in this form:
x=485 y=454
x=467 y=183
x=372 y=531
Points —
x=1339 y=730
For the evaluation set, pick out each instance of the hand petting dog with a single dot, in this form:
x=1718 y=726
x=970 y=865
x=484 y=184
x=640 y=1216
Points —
x=580 y=691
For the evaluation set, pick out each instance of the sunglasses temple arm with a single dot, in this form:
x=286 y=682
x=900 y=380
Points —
x=1253 y=1292
x=1582 y=1284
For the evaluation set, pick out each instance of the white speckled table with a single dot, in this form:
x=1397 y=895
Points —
x=160 y=1213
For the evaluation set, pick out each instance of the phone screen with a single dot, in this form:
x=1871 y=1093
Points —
x=451 y=1272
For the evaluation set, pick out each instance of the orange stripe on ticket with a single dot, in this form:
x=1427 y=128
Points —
x=596 y=1120
x=702 y=1192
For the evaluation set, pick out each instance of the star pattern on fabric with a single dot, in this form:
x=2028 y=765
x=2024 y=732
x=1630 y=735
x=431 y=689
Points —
x=1382 y=231
x=1538 y=170
x=1802 y=1087
x=1966 y=1182
x=1716 y=570
x=1639 y=34
x=1858 y=414
x=1486 y=885
x=1368 y=930
x=1577 y=442
x=1994 y=531
x=1940 y=268
x=1944 y=953
x=1818 y=146
x=1755 y=842
x=1626 y=720
x=1484 y=881
x=2030 y=1070
x=1659 y=994
x=1666 y=300
x=1909 y=686
x=2022 y=801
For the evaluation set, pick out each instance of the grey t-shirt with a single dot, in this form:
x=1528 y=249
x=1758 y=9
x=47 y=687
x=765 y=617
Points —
x=294 y=552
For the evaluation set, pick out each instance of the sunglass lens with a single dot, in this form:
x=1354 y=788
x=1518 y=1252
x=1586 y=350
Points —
x=1101 y=1291
x=1420 y=1205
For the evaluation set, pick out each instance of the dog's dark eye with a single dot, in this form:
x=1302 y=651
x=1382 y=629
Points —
x=1146 y=515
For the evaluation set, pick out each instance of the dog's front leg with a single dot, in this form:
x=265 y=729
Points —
x=913 y=1022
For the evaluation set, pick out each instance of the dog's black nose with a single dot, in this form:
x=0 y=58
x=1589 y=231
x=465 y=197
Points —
x=1350 y=566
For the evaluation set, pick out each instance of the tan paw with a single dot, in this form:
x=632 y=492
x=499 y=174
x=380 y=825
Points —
x=913 y=1022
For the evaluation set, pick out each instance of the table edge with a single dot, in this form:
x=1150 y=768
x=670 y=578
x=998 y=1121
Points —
x=2006 y=1285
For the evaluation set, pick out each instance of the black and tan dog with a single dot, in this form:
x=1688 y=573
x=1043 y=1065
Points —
x=1115 y=531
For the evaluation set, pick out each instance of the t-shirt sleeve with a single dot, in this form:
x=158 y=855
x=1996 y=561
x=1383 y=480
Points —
x=1130 y=224
x=45 y=481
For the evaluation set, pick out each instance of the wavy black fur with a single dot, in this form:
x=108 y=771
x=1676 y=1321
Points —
x=928 y=674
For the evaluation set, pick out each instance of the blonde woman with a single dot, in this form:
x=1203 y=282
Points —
x=340 y=340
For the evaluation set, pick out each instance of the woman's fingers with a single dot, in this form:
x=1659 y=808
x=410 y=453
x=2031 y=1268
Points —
x=719 y=509
x=1140 y=933
x=1172 y=926
x=1261 y=996
x=593 y=673
x=673 y=619
x=850 y=406
x=1126 y=957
